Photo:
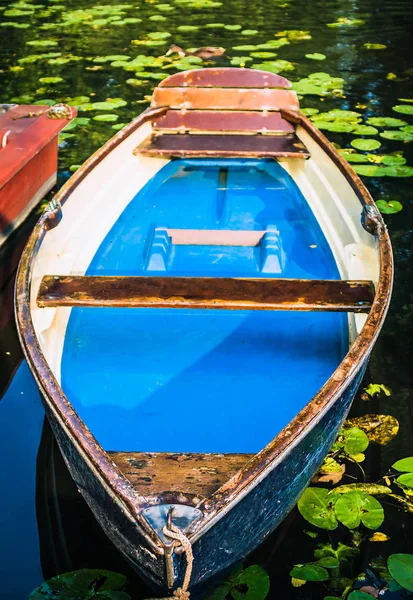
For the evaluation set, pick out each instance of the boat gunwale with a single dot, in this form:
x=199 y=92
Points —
x=265 y=460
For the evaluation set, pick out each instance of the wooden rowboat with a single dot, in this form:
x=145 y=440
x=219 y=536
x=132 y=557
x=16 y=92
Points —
x=198 y=307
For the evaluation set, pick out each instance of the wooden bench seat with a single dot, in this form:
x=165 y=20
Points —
x=207 y=292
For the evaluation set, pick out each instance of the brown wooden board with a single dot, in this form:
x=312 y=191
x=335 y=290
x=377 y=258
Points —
x=159 y=472
x=206 y=292
x=217 y=120
x=216 y=145
x=225 y=98
x=226 y=77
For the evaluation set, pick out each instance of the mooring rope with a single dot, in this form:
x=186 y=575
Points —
x=175 y=533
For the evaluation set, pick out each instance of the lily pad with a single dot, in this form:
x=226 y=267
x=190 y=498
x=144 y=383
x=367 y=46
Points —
x=406 y=480
x=371 y=46
x=354 y=157
x=398 y=136
x=275 y=66
x=365 y=130
x=15 y=25
x=106 y=118
x=317 y=507
x=232 y=27
x=390 y=160
x=362 y=144
x=79 y=584
x=401 y=569
x=51 y=80
x=294 y=35
x=249 y=32
x=404 y=465
x=399 y=171
x=357 y=507
x=404 y=109
x=245 y=48
x=310 y=572
x=42 y=43
x=214 y=26
x=369 y=170
x=385 y=122
x=346 y=22
x=316 y=56
x=157 y=18
x=187 y=28
x=163 y=35
x=240 y=61
x=262 y=54
x=309 y=112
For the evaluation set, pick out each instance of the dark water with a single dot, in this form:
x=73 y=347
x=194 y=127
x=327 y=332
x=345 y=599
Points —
x=45 y=527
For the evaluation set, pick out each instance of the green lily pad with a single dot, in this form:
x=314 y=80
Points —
x=214 y=25
x=404 y=109
x=157 y=18
x=245 y=48
x=273 y=44
x=316 y=56
x=389 y=207
x=102 y=106
x=309 y=572
x=187 y=28
x=275 y=66
x=369 y=170
x=309 y=112
x=249 y=32
x=79 y=584
x=162 y=35
x=15 y=25
x=385 y=122
x=358 y=595
x=355 y=440
x=398 y=136
x=165 y=7
x=317 y=507
x=295 y=35
x=42 y=43
x=346 y=22
x=401 y=569
x=404 y=465
x=365 y=130
x=361 y=144
x=135 y=82
x=406 y=480
x=407 y=128
x=118 y=126
x=262 y=54
x=232 y=27
x=340 y=127
x=370 y=46
x=390 y=160
x=15 y=12
x=106 y=118
x=51 y=79
x=357 y=507
x=238 y=61
x=353 y=157
x=399 y=171
x=111 y=58
x=257 y=582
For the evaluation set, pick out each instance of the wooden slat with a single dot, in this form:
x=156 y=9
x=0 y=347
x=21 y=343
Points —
x=198 y=474
x=206 y=292
x=225 y=98
x=226 y=77
x=217 y=145
x=217 y=120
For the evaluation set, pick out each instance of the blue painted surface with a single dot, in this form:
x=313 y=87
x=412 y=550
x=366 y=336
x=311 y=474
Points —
x=198 y=380
x=22 y=415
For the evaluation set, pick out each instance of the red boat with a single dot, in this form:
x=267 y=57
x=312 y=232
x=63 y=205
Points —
x=28 y=159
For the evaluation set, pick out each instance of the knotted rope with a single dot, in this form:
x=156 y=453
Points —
x=173 y=532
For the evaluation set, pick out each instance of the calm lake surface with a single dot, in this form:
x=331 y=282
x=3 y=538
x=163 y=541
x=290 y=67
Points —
x=78 y=50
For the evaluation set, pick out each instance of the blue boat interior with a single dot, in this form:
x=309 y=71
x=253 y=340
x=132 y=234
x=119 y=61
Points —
x=197 y=380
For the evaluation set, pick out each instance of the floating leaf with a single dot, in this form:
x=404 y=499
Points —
x=162 y=35
x=365 y=130
x=380 y=429
x=257 y=582
x=294 y=35
x=118 y=126
x=404 y=109
x=275 y=66
x=15 y=25
x=406 y=480
x=316 y=56
x=79 y=584
x=385 y=122
x=401 y=569
x=355 y=440
x=309 y=112
x=135 y=82
x=393 y=159
x=51 y=79
x=249 y=32
x=214 y=25
x=361 y=144
x=389 y=207
x=317 y=507
x=157 y=18
x=356 y=507
x=359 y=595
x=367 y=488
x=187 y=28
x=370 y=46
x=398 y=136
x=262 y=54
x=106 y=118
x=240 y=60
x=375 y=388
x=42 y=43
x=404 y=465
x=353 y=157
x=232 y=27
x=111 y=58
x=309 y=572
x=346 y=22
x=399 y=171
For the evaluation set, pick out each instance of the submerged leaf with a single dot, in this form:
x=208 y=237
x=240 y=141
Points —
x=401 y=569
x=257 y=582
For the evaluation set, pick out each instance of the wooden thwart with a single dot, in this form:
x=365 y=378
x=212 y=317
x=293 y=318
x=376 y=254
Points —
x=217 y=145
x=206 y=292
x=158 y=472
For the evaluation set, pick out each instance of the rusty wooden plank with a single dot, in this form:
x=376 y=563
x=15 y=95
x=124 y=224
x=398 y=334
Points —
x=218 y=120
x=217 y=145
x=206 y=292
x=225 y=98
x=193 y=474
x=224 y=77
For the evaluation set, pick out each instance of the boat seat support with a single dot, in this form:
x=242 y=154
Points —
x=206 y=292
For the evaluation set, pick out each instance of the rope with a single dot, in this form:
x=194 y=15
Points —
x=175 y=533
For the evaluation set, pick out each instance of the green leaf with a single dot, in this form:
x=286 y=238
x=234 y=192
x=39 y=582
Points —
x=316 y=56
x=375 y=388
x=361 y=144
x=187 y=28
x=385 y=122
x=358 y=595
x=404 y=109
x=353 y=157
x=317 y=507
x=404 y=465
x=106 y=118
x=329 y=562
x=51 y=79
x=257 y=582
x=309 y=572
x=232 y=27
x=355 y=440
x=240 y=60
x=365 y=130
x=398 y=136
x=249 y=32
x=369 y=170
x=391 y=160
x=346 y=22
x=262 y=54
x=79 y=584
x=42 y=43
x=398 y=171
x=309 y=112
x=370 y=46
x=367 y=488
x=406 y=480
x=356 y=507
x=389 y=207
x=401 y=569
